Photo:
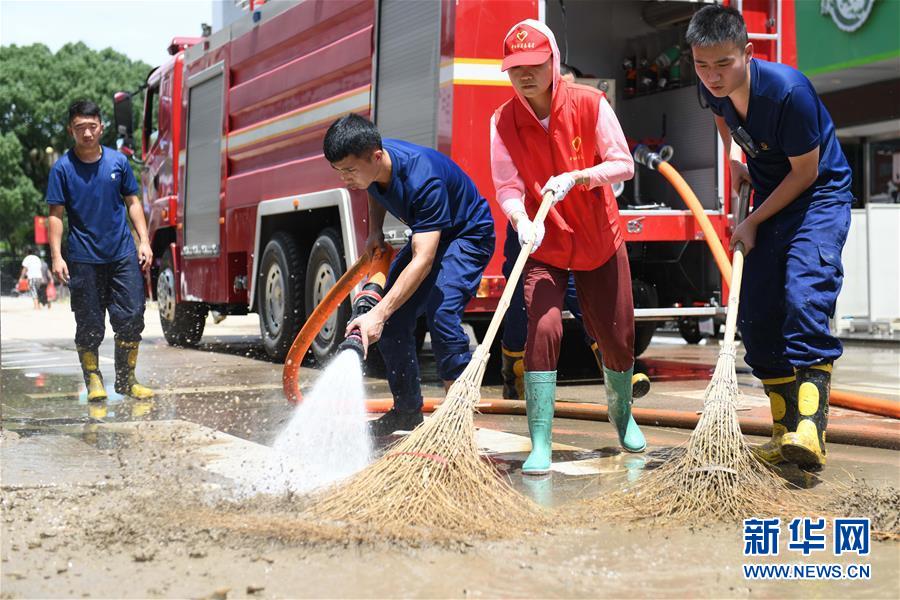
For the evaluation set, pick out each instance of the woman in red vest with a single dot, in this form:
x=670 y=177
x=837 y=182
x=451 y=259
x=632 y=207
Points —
x=565 y=138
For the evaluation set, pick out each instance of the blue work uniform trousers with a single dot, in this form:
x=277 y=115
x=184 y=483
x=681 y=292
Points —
x=442 y=297
x=117 y=288
x=791 y=281
x=515 y=322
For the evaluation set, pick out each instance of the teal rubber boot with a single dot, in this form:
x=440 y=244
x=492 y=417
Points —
x=540 y=394
x=618 y=394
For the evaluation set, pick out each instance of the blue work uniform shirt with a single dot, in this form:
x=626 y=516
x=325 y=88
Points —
x=785 y=117
x=92 y=194
x=429 y=192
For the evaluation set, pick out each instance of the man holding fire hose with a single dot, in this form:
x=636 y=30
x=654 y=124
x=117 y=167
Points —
x=794 y=235
x=436 y=274
x=587 y=153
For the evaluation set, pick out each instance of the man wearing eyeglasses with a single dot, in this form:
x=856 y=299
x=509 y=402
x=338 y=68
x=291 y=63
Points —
x=794 y=235
x=95 y=187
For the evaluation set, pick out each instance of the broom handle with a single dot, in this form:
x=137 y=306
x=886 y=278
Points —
x=734 y=294
x=513 y=280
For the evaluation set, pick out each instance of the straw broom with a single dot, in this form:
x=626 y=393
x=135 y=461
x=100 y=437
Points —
x=717 y=477
x=433 y=484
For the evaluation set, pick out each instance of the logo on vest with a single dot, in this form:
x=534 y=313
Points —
x=521 y=35
x=576 y=146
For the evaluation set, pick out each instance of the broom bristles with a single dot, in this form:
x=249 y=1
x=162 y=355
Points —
x=433 y=484
x=717 y=477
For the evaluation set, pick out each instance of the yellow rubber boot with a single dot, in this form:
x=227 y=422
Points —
x=640 y=383
x=126 y=361
x=513 y=373
x=93 y=379
x=782 y=393
x=806 y=446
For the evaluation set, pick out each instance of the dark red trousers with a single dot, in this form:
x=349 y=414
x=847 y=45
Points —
x=607 y=307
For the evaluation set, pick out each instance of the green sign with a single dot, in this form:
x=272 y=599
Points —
x=839 y=34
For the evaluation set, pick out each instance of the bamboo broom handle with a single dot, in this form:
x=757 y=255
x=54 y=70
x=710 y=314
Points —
x=734 y=294
x=513 y=280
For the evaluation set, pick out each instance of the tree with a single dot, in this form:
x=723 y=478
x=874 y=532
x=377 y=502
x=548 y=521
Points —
x=37 y=87
x=19 y=199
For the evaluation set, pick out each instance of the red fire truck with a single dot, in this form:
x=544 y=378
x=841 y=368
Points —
x=246 y=215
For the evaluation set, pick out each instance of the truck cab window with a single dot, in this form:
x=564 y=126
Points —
x=151 y=117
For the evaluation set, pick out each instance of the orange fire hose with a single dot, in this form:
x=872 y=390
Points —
x=362 y=268
x=712 y=239
x=866 y=404
x=856 y=435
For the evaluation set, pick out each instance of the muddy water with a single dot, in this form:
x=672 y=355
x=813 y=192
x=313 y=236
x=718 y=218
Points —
x=133 y=526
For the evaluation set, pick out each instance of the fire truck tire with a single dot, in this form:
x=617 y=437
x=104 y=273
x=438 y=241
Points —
x=690 y=330
x=324 y=268
x=282 y=275
x=182 y=322
x=645 y=296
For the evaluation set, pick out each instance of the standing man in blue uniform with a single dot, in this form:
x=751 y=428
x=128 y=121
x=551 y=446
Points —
x=436 y=274
x=103 y=270
x=794 y=235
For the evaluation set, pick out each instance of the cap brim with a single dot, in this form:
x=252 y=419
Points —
x=519 y=59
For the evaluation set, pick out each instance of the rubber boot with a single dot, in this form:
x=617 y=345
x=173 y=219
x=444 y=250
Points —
x=93 y=379
x=395 y=420
x=513 y=372
x=806 y=446
x=618 y=394
x=126 y=360
x=640 y=383
x=782 y=393
x=540 y=396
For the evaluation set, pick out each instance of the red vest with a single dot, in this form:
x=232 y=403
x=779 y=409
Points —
x=582 y=231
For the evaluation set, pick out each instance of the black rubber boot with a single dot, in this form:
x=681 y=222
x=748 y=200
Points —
x=513 y=372
x=782 y=393
x=806 y=447
x=395 y=420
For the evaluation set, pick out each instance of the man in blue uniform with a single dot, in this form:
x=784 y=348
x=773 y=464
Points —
x=436 y=274
x=794 y=235
x=103 y=269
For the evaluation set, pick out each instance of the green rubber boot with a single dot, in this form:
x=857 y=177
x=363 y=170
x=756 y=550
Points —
x=618 y=394
x=540 y=394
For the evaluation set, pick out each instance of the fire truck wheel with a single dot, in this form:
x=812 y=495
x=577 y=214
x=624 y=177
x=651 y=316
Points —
x=690 y=330
x=182 y=322
x=644 y=297
x=325 y=267
x=282 y=275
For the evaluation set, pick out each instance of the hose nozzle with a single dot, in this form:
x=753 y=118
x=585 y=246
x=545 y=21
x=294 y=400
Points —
x=647 y=157
x=353 y=342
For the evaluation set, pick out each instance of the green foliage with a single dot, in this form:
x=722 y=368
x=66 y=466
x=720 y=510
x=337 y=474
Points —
x=19 y=199
x=36 y=89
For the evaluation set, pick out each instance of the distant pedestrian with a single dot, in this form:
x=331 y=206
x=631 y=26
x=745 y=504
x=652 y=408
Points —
x=89 y=183
x=31 y=272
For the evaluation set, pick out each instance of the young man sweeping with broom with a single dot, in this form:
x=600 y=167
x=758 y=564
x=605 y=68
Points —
x=436 y=274
x=794 y=235
x=586 y=152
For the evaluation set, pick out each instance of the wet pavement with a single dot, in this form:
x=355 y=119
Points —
x=64 y=459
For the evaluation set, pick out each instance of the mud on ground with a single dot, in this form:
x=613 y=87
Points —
x=149 y=521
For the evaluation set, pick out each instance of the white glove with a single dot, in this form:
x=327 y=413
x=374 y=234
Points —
x=527 y=230
x=559 y=185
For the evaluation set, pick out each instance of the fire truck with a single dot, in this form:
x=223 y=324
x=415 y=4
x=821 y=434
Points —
x=246 y=215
